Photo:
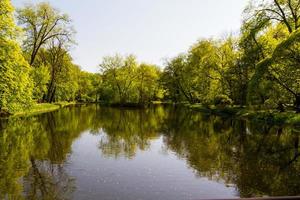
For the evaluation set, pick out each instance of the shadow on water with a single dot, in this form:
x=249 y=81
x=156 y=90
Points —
x=255 y=159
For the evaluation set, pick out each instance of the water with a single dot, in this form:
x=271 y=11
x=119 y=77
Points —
x=92 y=152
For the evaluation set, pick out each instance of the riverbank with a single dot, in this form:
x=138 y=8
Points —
x=273 y=117
x=266 y=116
x=40 y=108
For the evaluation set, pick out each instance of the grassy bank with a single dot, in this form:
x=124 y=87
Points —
x=260 y=116
x=43 y=108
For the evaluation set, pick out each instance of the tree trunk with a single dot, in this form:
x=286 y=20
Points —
x=297 y=103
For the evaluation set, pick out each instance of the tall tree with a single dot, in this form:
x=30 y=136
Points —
x=59 y=63
x=42 y=23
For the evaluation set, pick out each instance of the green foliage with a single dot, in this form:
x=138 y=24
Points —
x=66 y=82
x=282 y=68
x=125 y=81
x=222 y=100
x=40 y=77
x=89 y=87
x=147 y=83
x=15 y=83
x=203 y=73
x=42 y=25
x=120 y=74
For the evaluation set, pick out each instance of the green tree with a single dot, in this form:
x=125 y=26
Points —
x=283 y=68
x=285 y=12
x=40 y=77
x=120 y=75
x=148 y=83
x=196 y=76
x=15 y=83
x=42 y=23
x=172 y=79
x=62 y=83
x=278 y=64
x=89 y=87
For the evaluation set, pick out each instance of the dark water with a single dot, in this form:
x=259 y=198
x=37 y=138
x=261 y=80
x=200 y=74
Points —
x=90 y=152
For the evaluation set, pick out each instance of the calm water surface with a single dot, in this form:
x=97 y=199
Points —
x=91 y=152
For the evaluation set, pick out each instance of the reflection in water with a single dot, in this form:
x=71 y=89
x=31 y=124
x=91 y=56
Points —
x=47 y=181
x=255 y=159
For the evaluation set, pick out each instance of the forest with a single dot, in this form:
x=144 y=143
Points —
x=257 y=68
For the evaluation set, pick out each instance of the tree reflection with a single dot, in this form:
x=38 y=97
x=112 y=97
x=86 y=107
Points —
x=15 y=147
x=34 y=149
x=255 y=158
x=126 y=131
x=48 y=181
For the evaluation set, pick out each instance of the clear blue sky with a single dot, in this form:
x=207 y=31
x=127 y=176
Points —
x=150 y=29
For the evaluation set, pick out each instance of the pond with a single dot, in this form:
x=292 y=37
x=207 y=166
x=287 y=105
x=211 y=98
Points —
x=93 y=152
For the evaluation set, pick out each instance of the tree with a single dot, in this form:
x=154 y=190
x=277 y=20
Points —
x=40 y=77
x=48 y=37
x=227 y=55
x=120 y=75
x=42 y=23
x=148 y=85
x=57 y=60
x=172 y=79
x=283 y=68
x=15 y=83
x=280 y=11
x=278 y=64
x=194 y=76
x=67 y=83
x=203 y=64
x=89 y=86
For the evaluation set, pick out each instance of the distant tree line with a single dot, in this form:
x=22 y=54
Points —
x=259 y=67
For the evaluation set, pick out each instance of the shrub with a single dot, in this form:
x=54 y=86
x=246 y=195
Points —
x=222 y=100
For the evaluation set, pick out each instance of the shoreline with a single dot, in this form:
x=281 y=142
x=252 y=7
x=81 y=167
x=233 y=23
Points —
x=271 y=117
x=40 y=108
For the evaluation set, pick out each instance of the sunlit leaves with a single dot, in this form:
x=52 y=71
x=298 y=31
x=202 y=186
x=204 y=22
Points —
x=124 y=80
x=15 y=83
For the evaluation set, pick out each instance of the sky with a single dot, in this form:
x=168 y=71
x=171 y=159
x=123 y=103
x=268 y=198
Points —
x=152 y=30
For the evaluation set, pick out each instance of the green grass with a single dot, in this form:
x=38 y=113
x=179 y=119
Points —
x=43 y=108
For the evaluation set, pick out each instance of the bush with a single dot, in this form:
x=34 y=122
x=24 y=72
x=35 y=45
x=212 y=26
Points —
x=222 y=100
